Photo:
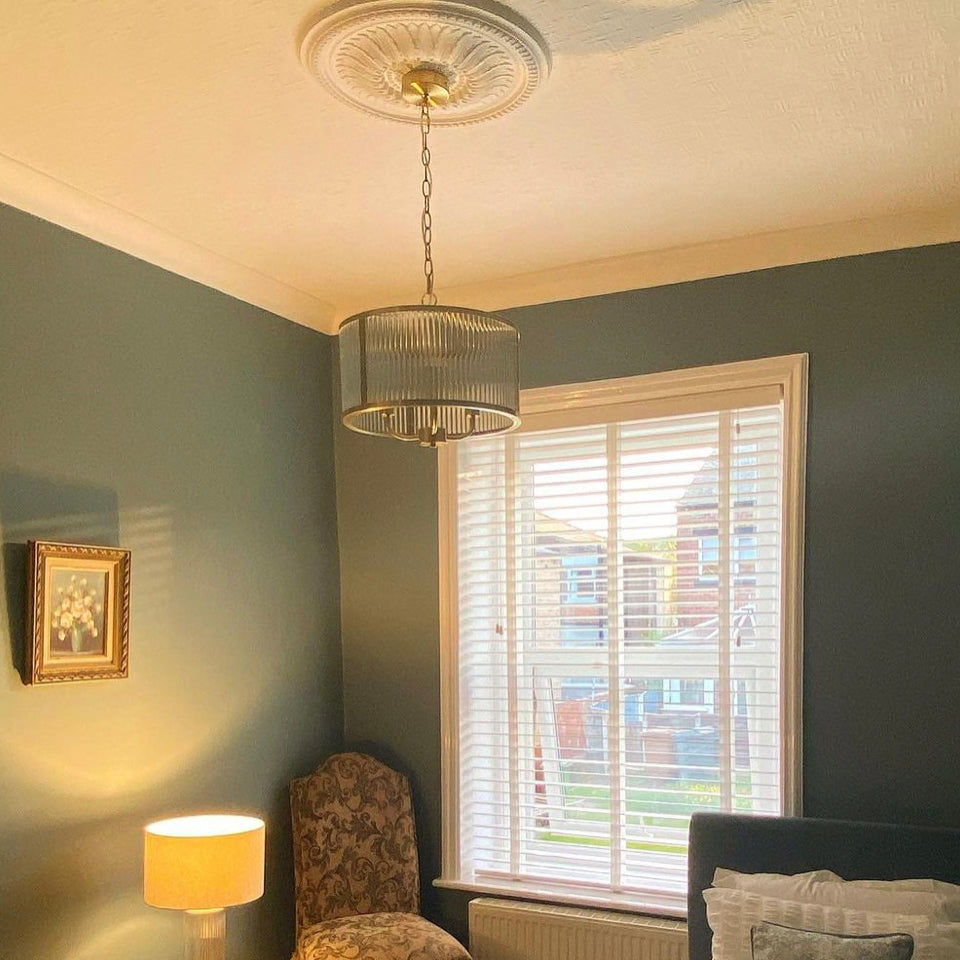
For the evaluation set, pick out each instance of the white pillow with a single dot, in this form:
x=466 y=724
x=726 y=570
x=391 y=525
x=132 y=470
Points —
x=949 y=893
x=731 y=914
x=794 y=886
x=828 y=889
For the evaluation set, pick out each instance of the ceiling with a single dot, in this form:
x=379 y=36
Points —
x=674 y=139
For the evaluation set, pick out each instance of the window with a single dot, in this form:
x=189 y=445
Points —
x=688 y=693
x=580 y=579
x=620 y=623
x=744 y=552
x=708 y=565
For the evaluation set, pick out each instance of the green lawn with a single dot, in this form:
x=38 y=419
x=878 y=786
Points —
x=648 y=805
x=604 y=842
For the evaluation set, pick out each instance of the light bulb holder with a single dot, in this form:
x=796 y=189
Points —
x=425 y=82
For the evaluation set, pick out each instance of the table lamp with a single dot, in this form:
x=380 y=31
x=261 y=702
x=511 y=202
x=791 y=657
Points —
x=202 y=865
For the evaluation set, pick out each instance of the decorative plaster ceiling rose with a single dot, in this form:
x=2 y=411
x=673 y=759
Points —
x=492 y=58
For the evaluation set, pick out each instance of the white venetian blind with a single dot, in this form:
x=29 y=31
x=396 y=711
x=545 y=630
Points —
x=618 y=643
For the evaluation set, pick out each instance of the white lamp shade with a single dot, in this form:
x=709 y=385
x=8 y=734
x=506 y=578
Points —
x=202 y=863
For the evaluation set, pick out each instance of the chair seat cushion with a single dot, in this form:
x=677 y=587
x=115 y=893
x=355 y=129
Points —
x=378 y=936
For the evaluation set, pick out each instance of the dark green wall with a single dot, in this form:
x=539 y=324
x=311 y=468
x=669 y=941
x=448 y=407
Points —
x=139 y=408
x=882 y=597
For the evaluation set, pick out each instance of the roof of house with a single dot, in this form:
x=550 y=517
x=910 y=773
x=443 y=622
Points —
x=554 y=535
x=707 y=632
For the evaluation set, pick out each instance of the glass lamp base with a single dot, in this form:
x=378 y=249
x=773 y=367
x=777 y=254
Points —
x=205 y=935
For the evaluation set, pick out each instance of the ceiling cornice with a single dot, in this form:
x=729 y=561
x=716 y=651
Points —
x=44 y=196
x=35 y=192
x=656 y=268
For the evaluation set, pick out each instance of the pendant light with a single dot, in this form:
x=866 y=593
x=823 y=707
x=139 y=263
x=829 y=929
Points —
x=427 y=373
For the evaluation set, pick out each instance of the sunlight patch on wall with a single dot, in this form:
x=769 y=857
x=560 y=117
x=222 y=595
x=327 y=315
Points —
x=121 y=738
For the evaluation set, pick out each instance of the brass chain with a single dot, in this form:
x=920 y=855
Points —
x=426 y=221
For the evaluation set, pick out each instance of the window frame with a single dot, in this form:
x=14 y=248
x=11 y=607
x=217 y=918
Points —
x=702 y=534
x=741 y=533
x=577 y=575
x=646 y=395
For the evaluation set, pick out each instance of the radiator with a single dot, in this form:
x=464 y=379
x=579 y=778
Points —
x=508 y=930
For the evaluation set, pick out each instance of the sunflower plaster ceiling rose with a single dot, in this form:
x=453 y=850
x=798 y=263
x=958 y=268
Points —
x=492 y=59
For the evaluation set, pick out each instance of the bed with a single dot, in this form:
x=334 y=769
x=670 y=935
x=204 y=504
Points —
x=792 y=845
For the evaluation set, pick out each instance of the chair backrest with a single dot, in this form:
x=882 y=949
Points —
x=354 y=841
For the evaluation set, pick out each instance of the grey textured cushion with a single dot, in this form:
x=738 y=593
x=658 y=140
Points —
x=770 y=941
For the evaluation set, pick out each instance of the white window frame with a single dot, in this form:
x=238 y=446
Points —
x=707 y=533
x=741 y=533
x=648 y=395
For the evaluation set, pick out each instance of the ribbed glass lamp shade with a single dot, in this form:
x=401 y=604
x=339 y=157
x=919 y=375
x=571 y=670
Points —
x=429 y=373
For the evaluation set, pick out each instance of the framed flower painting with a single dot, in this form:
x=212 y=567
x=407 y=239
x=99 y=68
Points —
x=79 y=612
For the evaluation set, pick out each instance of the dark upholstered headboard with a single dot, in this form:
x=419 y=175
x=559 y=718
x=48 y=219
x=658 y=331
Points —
x=856 y=851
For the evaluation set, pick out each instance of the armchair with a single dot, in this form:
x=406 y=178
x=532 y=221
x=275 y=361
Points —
x=356 y=868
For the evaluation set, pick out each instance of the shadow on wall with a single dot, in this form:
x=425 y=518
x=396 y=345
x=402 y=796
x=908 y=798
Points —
x=41 y=508
x=87 y=764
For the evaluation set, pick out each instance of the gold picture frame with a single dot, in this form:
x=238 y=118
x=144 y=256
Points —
x=78 y=612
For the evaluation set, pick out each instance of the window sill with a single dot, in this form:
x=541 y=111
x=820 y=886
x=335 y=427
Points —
x=547 y=893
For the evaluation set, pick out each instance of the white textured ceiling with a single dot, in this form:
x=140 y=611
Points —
x=189 y=134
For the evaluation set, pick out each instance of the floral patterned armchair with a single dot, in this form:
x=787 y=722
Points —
x=356 y=869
